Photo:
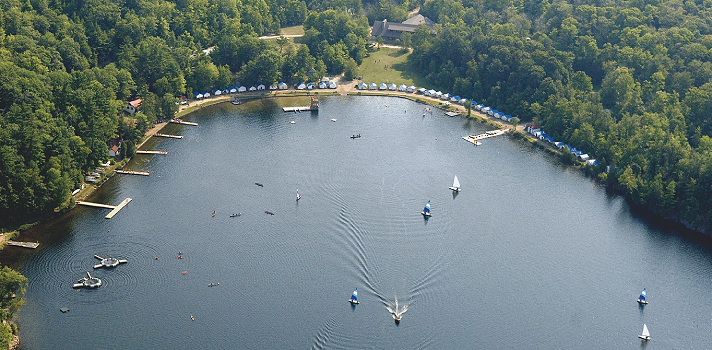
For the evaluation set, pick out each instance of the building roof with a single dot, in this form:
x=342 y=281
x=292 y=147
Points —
x=135 y=103
x=390 y=30
x=419 y=19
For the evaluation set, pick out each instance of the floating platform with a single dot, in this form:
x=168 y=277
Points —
x=178 y=121
x=109 y=262
x=475 y=139
x=118 y=208
x=114 y=208
x=131 y=172
x=169 y=136
x=31 y=245
x=151 y=152
x=88 y=282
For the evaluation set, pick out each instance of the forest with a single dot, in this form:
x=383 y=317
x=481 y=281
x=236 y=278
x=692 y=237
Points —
x=630 y=82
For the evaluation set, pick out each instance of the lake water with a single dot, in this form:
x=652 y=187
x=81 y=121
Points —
x=530 y=255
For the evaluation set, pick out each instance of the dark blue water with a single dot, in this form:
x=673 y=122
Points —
x=530 y=255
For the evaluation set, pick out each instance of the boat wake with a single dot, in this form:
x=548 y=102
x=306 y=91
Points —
x=396 y=310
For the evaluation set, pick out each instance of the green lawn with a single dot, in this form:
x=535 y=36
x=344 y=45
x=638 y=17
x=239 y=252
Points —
x=295 y=30
x=388 y=65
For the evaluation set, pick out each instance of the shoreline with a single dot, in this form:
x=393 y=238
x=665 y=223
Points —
x=344 y=89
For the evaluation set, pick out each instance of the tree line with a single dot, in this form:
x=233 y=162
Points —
x=68 y=67
x=629 y=82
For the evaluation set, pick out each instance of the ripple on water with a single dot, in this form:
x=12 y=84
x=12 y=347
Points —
x=68 y=264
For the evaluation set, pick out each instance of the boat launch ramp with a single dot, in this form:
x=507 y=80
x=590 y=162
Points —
x=114 y=208
x=475 y=139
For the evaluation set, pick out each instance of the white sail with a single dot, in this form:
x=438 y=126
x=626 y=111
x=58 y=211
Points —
x=646 y=334
x=455 y=185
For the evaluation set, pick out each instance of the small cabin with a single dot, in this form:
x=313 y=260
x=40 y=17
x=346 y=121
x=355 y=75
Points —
x=311 y=86
x=252 y=88
x=260 y=87
x=362 y=86
x=332 y=85
x=372 y=86
x=420 y=91
x=217 y=92
x=402 y=88
x=392 y=87
x=323 y=85
x=132 y=107
x=206 y=94
x=445 y=97
x=410 y=89
x=274 y=87
x=241 y=88
x=301 y=86
x=283 y=86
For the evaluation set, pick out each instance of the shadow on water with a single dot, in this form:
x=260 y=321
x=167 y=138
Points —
x=454 y=194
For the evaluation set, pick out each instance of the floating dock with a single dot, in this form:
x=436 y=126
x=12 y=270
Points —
x=114 y=208
x=314 y=106
x=31 y=245
x=151 y=152
x=475 y=139
x=178 y=121
x=118 y=208
x=169 y=136
x=131 y=172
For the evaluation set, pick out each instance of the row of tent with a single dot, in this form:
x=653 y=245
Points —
x=492 y=112
x=324 y=84
x=412 y=89
x=541 y=135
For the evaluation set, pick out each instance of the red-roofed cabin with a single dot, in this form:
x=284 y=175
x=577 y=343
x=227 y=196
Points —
x=132 y=106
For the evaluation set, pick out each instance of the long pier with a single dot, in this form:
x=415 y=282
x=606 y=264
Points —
x=151 y=152
x=169 y=136
x=31 y=245
x=178 y=121
x=114 y=208
x=131 y=172
x=475 y=139
x=299 y=109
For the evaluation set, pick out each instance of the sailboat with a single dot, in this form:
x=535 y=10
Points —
x=354 y=297
x=646 y=334
x=426 y=210
x=456 y=185
x=641 y=298
x=298 y=196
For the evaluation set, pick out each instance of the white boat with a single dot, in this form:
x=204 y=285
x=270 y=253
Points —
x=397 y=312
x=426 y=210
x=641 y=298
x=298 y=196
x=646 y=334
x=456 y=185
x=354 y=297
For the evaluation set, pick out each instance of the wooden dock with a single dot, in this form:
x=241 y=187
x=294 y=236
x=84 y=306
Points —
x=114 y=208
x=151 y=152
x=314 y=106
x=118 y=208
x=131 y=172
x=298 y=109
x=31 y=245
x=96 y=205
x=169 y=136
x=475 y=139
x=178 y=121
